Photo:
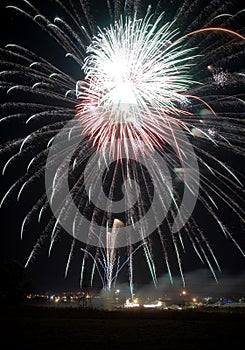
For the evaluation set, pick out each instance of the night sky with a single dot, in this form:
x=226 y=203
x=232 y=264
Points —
x=46 y=272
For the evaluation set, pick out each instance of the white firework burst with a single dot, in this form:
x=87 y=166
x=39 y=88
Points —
x=144 y=80
x=136 y=78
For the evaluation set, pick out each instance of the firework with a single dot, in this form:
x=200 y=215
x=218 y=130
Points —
x=136 y=76
x=130 y=145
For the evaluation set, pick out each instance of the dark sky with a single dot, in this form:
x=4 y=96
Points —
x=48 y=272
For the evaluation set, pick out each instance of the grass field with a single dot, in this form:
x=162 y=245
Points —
x=31 y=328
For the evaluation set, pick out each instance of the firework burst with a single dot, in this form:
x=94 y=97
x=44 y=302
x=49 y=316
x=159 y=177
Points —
x=156 y=100
x=136 y=76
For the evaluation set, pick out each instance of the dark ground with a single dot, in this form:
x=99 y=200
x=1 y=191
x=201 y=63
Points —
x=33 y=328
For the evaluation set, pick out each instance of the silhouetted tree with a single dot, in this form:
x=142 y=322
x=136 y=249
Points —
x=14 y=282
